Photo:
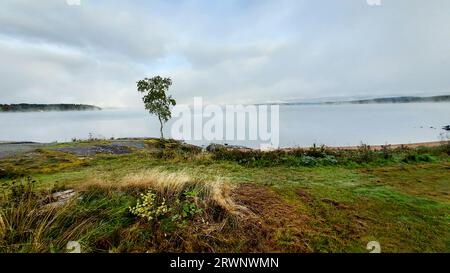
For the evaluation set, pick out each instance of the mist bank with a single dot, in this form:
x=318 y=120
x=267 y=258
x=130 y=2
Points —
x=24 y=107
x=403 y=99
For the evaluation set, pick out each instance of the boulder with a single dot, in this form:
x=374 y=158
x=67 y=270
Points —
x=214 y=147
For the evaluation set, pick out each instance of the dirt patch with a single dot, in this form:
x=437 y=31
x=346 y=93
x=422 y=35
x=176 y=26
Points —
x=284 y=223
x=292 y=229
x=335 y=203
x=307 y=198
x=304 y=195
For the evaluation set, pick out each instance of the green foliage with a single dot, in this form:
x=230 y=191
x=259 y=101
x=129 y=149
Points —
x=29 y=223
x=322 y=156
x=22 y=189
x=298 y=157
x=10 y=172
x=189 y=207
x=446 y=147
x=149 y=207
x=156 y=100
x=348 y=197
x=415 y=157
x=156 y=210
x=385 y=152
x=172 y=149
x=40 y=161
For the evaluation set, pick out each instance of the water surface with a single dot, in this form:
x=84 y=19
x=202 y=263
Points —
x=304 y=125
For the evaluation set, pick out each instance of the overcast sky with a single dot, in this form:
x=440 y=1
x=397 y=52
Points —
x=232 y=51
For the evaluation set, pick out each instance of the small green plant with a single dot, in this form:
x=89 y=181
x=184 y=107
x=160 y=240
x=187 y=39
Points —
x=149 y=207
x=189 y=208
x=386 y=152
x=447 y=147
x=364 y=154
x=415 y=157
x=307 y=161
x=22 y=189
x=155 y=210
x=329 y=160
x=285 y=238
x=445 y=138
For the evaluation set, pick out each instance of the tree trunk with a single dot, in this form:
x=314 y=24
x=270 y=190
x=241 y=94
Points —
x=161 y=128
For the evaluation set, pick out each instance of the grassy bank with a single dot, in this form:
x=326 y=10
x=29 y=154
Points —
x=174 y=197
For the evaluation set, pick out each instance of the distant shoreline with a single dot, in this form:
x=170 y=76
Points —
x=62 y=107
x=393 y=146
x=355 y=147
x=386 y=100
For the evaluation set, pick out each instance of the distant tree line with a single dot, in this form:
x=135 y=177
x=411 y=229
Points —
x=404 y=100
x=24 y=107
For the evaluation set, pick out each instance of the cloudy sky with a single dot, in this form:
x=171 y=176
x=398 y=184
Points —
x=233 y=51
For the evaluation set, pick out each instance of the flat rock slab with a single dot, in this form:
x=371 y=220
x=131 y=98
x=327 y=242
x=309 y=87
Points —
x=140 y=145
x=63 y=194
x=61 y=198
x=96 y=149
x=8 y=149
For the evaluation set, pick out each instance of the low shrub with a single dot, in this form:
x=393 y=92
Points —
x=323 y=156
x=416 y=157
x=168 y=215
x=446 y=147
x=9 y=172
x=307 y=161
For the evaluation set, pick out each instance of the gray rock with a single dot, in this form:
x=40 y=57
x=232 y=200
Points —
x=61 y=198
x=214 y=147
x=96 y=149
x=8 y=149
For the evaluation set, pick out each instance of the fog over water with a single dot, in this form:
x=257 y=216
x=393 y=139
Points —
x=300 y=125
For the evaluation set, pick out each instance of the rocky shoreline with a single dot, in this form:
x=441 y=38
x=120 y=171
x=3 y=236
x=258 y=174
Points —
x=126 y=146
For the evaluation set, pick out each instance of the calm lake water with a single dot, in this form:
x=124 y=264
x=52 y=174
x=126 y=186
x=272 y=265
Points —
x=333 y=125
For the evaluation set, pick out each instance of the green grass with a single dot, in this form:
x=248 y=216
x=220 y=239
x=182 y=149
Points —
x=337 y=204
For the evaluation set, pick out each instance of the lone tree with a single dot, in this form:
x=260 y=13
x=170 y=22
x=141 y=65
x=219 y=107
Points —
x=156 y=100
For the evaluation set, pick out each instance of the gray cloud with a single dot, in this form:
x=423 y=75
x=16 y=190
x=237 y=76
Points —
x=99 y=29
x=233 y=51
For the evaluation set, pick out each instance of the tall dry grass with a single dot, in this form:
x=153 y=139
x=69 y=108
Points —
x=27 y=225
x=222 y=224
x=172 y=185
x=101 y=221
